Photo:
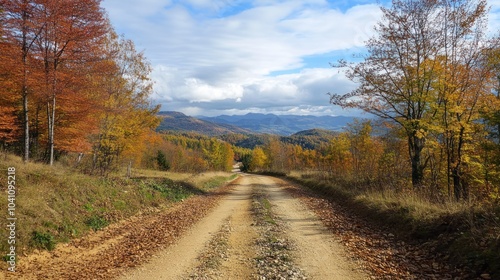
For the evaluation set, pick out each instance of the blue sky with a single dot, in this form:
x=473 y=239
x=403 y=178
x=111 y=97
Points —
x=213 y=57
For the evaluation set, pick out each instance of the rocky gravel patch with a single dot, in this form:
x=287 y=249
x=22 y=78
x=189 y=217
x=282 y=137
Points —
x=274 y=250
x=213 y=255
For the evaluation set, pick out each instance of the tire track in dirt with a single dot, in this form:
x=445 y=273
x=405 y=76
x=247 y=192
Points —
x=241 y=244
x=178 y=260
x=317 y=252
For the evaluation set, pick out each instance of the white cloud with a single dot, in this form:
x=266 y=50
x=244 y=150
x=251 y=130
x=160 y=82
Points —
x=494 y=17
x=292 y=93
x=206 y=62
x=200 y=91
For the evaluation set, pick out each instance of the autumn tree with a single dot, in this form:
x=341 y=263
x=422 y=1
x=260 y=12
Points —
x=393 y=166
x=53 y=43
x=71 y=31
x=397 y=75
x=9 y=128
x=127 y=115
x=277 y=156
x=464 y=82
x=219 y=154
x=491 y=114
x=365 y=150
x=258 y=159
x=19 y=18
x=228 y=159
x=338 y=157
x=62 y=57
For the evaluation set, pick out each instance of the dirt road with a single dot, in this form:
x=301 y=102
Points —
x=250 y=229
x=256 y=227
x=313 y=250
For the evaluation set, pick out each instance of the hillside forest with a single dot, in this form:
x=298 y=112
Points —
x=76 y=93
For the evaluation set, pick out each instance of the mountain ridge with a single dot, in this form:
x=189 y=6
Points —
x=177 y=121
x=281 y=124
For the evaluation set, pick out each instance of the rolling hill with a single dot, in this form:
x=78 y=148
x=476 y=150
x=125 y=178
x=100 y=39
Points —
x=310 y=139
x=307 y=139
x=176 y=121
x=281 y=124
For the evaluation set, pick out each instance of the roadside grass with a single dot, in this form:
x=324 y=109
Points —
x=266 y=212
x=217 y=181
x=469 y=232
x=149 y=173
x=205 y=181
x=56 y=204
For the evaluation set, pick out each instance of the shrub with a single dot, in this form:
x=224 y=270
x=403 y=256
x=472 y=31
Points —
x=43 y=240
x=161 y=159
x=96 y=222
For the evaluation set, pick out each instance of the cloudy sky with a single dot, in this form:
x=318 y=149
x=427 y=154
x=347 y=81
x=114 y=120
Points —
x=213 y=57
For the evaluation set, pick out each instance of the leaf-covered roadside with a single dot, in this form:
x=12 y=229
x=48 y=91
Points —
x=385 y=256
x=120 y=246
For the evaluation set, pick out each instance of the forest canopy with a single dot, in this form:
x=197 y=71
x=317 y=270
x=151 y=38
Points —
x=68 y=83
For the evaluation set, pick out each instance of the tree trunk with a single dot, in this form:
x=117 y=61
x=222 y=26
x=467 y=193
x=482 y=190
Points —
x=129 y=170
x=416 y=145
x=51 y=130
x=455 y=174
x=24 y=93
x=79 y=159
x=52 y=113
x=459 y=184
x=35 y=133
x=26 y=154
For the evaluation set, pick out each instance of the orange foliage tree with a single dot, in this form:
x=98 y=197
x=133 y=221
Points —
x=9 y=127
x=69 y=84
x=71 y=35
x=20 y=32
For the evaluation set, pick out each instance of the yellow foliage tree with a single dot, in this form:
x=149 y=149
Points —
x=127 y=116
x=259 y=159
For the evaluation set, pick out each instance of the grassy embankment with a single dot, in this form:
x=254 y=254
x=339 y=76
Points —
x=469 y=232
x=56 y=204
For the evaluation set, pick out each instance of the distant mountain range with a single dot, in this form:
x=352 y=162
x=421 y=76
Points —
x=281 y=124
x=250 y=123
x=176 y=121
